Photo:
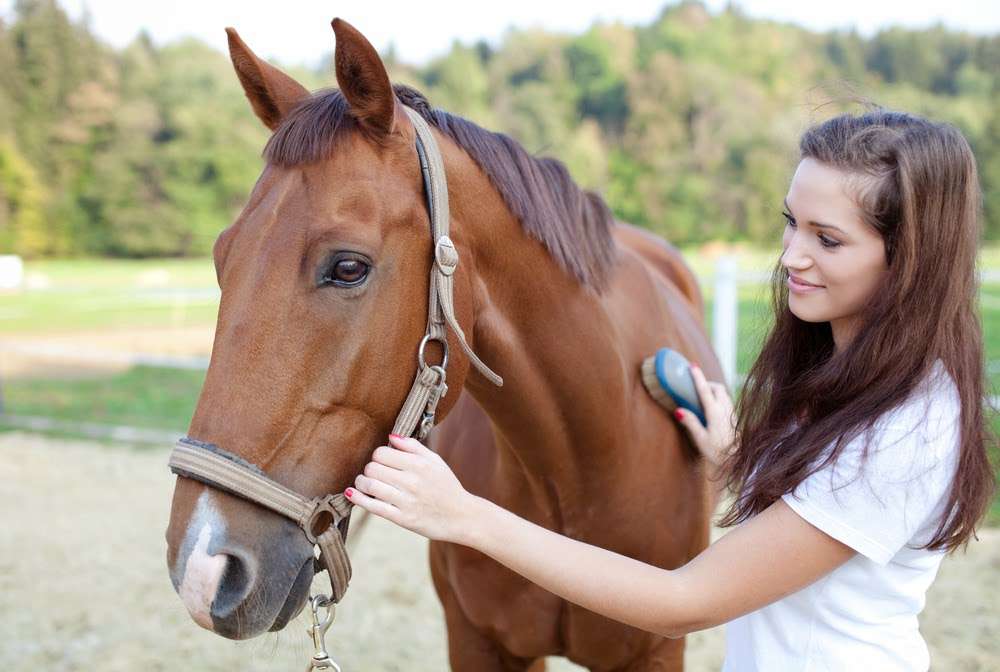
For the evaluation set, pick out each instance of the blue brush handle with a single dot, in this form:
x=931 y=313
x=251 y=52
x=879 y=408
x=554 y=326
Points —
x=674 y=373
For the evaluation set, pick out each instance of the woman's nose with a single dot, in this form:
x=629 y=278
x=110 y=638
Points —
x=794 y=256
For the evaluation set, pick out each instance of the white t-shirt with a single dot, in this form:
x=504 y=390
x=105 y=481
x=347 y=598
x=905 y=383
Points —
x=863 y=615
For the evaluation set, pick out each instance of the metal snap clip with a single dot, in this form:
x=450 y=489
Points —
x=321 y=659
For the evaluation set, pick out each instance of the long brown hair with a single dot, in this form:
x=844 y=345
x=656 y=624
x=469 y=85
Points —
x=918 y=188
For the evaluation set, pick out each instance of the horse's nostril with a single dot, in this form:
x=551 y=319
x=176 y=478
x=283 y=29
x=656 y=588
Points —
x=236 y=584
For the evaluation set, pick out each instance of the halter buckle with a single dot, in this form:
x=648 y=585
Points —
x=446 y=255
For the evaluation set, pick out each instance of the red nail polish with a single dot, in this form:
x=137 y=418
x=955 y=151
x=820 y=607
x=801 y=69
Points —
x=349 y=493
x=678 y=414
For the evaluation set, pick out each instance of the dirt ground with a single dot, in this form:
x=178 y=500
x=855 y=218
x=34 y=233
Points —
x=83 y=583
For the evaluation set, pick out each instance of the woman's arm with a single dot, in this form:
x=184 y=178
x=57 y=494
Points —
x=774 y=554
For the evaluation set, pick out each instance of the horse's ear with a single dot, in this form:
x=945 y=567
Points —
x=362 y=78
x=271 y=92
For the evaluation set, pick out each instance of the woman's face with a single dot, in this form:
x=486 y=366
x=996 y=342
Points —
x=826 y=243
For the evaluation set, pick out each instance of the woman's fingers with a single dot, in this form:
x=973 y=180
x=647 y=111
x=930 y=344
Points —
x=720 y=391
x=692 y=423
x=409 y=445
x=701 y=385
x=394 y=457
x=376 y=506
x=423 y=496
x=377 y=489
x=715 y=400
x=394 y=477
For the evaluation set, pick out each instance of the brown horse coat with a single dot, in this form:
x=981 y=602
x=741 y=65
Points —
x=307 y=375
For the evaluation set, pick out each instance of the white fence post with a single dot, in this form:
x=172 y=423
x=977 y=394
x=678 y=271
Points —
x=725 y=316
x=11 y=271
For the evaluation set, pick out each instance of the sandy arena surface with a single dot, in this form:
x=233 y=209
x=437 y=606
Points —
x=83 y=583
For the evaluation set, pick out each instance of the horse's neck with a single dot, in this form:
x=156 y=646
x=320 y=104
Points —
x=566 y=379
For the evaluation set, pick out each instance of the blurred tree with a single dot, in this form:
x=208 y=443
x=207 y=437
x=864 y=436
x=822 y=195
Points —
x=459 y=83
x=987 y=149
x=22 y=224
x=687 y=125
x=598 y=61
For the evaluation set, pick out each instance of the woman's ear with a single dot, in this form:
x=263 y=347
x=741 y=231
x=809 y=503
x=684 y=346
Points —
x=271 y=92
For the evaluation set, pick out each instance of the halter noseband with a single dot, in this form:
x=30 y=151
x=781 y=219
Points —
x=222 y=470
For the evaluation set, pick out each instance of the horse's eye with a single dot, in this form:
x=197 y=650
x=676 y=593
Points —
x=346 y=273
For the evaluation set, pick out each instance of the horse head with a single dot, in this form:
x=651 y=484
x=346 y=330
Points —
x=325 y=280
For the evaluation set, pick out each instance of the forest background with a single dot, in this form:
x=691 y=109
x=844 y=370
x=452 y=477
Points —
x=687 y=125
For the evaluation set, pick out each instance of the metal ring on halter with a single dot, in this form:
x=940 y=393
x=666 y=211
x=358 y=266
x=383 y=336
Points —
x=323 y=505
x=423 y=342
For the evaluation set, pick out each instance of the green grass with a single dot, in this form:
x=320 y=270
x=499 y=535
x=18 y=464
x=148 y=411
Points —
x=115 y=273
x=90 y=295
x=142 y=396
x=993 y=517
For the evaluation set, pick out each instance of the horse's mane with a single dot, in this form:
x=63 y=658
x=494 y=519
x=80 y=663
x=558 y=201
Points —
x=574 y=225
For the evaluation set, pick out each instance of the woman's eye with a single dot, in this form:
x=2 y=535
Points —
x=346 y=273
x=825 y=241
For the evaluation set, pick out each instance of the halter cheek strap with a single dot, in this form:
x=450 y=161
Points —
x=217 y=468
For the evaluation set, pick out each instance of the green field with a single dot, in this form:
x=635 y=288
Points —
x=101 y=296
x=142 y=396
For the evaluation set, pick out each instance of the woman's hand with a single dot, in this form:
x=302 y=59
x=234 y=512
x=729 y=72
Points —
x=717 y=440
x=409 y=484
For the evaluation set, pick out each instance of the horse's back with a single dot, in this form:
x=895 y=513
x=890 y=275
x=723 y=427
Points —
x=663 y=258
x=656 y=300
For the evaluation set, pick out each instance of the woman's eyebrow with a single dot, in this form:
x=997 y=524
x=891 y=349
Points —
x=819 y=224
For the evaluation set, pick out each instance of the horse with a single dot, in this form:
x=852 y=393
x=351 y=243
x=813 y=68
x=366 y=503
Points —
x=324 y=280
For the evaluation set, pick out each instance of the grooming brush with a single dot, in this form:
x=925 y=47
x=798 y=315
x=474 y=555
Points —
x=667 y=377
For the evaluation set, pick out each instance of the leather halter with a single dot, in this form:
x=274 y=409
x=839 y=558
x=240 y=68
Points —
x=223 y=470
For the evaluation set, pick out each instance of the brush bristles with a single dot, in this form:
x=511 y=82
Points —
x=652 y=384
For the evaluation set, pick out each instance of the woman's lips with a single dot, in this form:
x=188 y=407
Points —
x=801 y=287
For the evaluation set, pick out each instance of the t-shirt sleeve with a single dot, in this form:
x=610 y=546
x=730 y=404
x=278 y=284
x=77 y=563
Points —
x=877 y=503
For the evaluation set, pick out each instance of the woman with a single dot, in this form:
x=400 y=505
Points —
x=857 y=455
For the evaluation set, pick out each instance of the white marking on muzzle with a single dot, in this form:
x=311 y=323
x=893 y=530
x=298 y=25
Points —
x=202 y=572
